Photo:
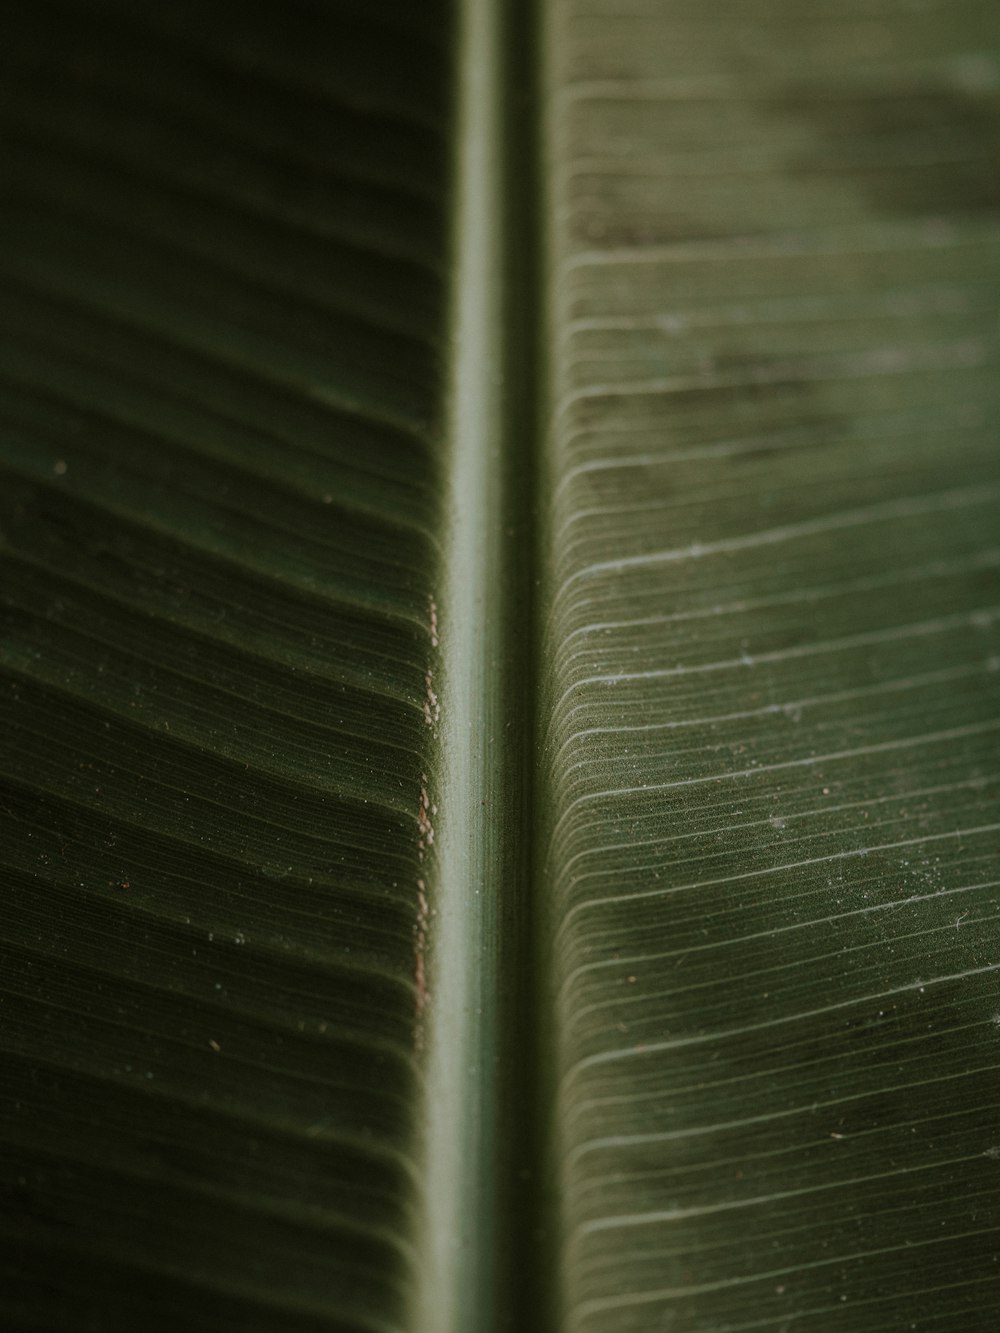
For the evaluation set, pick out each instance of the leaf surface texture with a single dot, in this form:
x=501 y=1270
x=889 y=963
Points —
x=222 y=295
x=772 y=628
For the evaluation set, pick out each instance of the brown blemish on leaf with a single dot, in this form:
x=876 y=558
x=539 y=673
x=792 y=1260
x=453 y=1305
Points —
x=420 y=959
x=425 y=828
x=432 y=708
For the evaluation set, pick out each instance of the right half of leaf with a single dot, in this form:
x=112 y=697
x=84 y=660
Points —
x=773 y=751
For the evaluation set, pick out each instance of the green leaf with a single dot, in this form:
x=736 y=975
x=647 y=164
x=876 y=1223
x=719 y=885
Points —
x=499 y=666
x=223 y=290
x=774 y=634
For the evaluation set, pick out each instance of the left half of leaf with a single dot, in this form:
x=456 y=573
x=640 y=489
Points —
x=222 y=311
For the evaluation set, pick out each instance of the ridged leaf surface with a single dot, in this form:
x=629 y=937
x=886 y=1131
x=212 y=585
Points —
x=773 y=619
x=260 y=535
x=222 y=287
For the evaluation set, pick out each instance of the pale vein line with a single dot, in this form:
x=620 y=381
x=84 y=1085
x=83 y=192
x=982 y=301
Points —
x=577 y=521
x=980 y=618
x=740 y=89
x=889 y=303
x=621 y=1221
x=885 y=511
x=631 y=1299
x=874 y=362
x=988 y=558
x=699 y=833
x=630 y=961
x=854 y=853
x=636 y=1140
x=619 y=1054
x=618 y=1002
x=886 y=421
x=585 y=1106
x=836 y=242
x=834 y=756
x=787 y=710
x=781 y=1323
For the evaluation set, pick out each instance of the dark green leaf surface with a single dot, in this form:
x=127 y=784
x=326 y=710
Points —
x=223 y=248
x=769 y=806
x=773 y=628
